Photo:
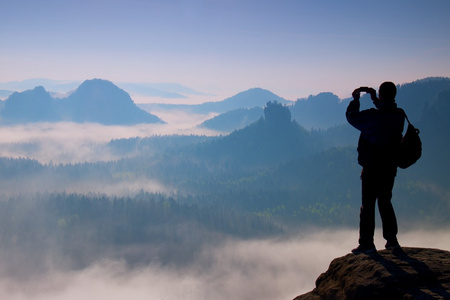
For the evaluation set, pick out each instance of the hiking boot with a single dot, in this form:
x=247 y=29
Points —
x=364 y=249
x=392 y=245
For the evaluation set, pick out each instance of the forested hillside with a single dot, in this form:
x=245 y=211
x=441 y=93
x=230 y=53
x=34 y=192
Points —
x=75 y=230
x=273 y=177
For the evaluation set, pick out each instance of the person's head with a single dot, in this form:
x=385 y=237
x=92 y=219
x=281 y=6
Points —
x=387 y=91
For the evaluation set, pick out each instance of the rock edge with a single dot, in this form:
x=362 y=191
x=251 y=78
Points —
x=407 y=273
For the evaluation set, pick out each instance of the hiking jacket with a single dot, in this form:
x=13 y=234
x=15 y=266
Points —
x=381 y=132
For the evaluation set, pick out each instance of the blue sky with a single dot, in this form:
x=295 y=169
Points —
x=293 y=48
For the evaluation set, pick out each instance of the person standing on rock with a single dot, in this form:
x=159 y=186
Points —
x=381 y=133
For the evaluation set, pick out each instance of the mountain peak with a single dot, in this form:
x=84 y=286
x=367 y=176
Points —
x=100 y=88
x=95 y=100
x=409 y=273
x=254 y=97
x=99 y=100
x=96 y=83
x=28 y=106
x=38 y=91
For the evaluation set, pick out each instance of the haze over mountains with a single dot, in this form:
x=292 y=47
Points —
x=103 y=102
x=255 y=97
x=325 y=110
x=63 y=87
x=233 y=205
x=96 y=100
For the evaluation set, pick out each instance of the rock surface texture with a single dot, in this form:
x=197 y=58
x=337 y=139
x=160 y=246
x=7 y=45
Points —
x=408 y=273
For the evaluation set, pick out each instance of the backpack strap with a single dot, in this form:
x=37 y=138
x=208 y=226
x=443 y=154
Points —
x=406 y=117
x=409 y=123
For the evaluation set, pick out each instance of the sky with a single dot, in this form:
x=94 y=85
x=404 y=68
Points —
x=294 y=48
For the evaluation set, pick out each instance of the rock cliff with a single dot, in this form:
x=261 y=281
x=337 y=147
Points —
x=410 y=273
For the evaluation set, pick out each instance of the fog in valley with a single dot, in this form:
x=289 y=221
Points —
x=234 y=269
x=178 y=211
x=69 y=142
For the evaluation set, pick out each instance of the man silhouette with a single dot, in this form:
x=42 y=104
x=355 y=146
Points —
x=381 y=133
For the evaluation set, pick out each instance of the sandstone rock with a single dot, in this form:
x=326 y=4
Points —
x=410 y=273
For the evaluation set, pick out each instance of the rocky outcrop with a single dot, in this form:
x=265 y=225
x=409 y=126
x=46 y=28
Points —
x=409 y=273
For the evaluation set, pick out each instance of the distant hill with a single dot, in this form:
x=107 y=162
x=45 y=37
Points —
x=416 y=96
x=97 y=101
x=326 y=110
x=146 y=89
x=270 y=140
x=30 y=106
x=234 y=120
x=434 y=127
x=255 y=97
x=103 y=102
x=321 y=111
x=5 y=93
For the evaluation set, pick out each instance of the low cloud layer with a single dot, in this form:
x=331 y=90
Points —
x=42 y=184
x=67 y=142
x=255 y=269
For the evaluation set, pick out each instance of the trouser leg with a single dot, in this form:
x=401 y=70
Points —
x=367 y=211
x=386 y=209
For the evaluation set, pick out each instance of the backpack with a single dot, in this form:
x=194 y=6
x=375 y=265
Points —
x=410 y=149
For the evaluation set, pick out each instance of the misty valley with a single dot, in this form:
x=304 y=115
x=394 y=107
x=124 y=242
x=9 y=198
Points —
x=163 y=200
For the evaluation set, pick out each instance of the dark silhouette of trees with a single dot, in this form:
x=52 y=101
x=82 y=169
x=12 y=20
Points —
x=277 y=114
